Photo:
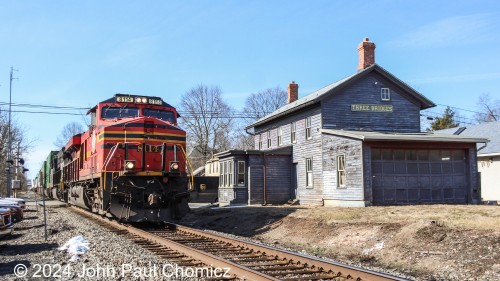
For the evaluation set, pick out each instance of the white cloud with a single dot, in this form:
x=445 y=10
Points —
x=453 y=30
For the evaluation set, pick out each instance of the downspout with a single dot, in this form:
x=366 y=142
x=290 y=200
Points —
x=478 y=179
x=264 y=172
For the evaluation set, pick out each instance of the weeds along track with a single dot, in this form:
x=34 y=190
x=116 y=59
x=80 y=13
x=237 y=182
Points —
x=190 y=247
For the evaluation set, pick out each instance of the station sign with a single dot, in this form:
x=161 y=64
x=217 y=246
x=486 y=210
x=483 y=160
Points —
x=371 y=107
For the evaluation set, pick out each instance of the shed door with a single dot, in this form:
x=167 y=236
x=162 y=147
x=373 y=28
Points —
x=403 y=176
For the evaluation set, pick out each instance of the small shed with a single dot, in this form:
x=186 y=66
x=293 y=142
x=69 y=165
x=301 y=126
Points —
x=255 y=176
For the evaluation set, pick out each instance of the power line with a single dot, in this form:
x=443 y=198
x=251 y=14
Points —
x=468 y=110
x=44 y=106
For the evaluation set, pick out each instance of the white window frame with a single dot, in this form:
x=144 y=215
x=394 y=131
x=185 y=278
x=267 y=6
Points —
x=269 y=143
x=385 y=94
x=308 y=128
x=221 y=175
x=341 y=174
x=241 y=172
x=260 y=141
x=293 y=132
x=230 y=173
x=309 y=173
x=224 y=172
x=280 y=136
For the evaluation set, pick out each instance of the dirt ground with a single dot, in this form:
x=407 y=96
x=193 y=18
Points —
x=429 y=242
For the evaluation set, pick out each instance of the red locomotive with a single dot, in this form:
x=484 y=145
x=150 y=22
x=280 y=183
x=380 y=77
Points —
x=130 y=163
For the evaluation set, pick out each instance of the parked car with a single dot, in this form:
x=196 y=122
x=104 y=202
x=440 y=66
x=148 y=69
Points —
x=20 y=202
x=17 y=213
x=6 y=225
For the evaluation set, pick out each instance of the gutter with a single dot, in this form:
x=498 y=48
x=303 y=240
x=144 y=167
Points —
x=482 y=147
x=246 y=131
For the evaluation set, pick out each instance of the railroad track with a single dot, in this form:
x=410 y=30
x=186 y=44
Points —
x=188 y=247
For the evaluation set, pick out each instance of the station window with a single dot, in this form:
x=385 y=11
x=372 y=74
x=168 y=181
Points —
x=309 y=174
x=221 y=175
x=385 y=94
x=341 y=176
x=241 y=173
x=293 y=132
x=280 y=136
x=269 y=139
x=308 y=128
x=230 y=173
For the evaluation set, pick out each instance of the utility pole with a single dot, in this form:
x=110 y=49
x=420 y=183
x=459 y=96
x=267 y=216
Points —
x=9 y=152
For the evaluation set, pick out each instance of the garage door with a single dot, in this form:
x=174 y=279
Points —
x=403 y=176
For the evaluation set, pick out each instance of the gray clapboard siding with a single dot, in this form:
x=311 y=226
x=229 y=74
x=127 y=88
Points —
x=337 y=113
x=302 y=149
x=334 y=146
x=278 y=175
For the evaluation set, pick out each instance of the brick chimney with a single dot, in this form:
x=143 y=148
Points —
x=366 y=52
x=293 y=92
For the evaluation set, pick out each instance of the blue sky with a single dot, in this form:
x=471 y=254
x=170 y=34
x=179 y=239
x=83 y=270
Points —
x=77 y=53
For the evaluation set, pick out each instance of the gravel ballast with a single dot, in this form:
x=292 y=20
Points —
x=111 y=256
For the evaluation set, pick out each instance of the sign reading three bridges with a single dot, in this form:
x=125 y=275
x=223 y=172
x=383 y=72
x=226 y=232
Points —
x=371 y=107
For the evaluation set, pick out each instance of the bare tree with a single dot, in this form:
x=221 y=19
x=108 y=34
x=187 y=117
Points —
x=20 y=145
x=208 y=122
x=489 y=110
x=67 y=132
x=260 y=104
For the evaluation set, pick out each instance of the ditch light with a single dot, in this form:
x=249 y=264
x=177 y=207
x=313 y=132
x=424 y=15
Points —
x=129 y=165
x=174 y=166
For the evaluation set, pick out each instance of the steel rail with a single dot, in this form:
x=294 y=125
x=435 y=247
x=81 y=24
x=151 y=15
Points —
x=276 y=257
x=206 y=258
x=343 y=270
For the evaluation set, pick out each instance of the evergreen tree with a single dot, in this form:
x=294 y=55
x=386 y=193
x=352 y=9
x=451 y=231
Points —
x=446 y=121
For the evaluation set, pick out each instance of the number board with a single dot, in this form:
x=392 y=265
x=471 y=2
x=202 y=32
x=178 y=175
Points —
x=139 y=100
x=150 y=148
x=124 y=99
x=155 y=101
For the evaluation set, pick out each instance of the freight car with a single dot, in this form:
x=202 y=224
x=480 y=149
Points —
x=130 y=164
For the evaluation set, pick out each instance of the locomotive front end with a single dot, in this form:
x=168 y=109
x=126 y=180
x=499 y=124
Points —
x=138 y=152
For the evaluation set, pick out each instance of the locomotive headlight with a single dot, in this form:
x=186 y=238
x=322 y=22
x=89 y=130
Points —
x=129 y=165
x=174 y=166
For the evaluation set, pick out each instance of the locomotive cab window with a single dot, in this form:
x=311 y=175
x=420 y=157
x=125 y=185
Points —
x=160 y=114
x=119 y=112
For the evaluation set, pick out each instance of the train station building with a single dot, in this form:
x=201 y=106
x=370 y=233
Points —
x=355 y=142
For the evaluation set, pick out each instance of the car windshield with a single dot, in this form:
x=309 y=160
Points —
x=119 y=112
x=160 y=114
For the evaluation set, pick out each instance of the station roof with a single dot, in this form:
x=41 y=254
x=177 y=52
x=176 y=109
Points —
x=410 y=137
x=335 y=87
